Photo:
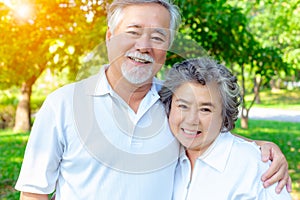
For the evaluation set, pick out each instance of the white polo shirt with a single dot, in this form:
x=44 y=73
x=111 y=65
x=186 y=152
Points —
x=88 y=144
x=230 y=169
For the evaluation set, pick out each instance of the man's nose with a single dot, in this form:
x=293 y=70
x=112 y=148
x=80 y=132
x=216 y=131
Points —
x=143 y=44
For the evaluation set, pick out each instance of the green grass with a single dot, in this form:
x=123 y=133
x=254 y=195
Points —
x=281 y=99
x=286 y=135
x=12 y=146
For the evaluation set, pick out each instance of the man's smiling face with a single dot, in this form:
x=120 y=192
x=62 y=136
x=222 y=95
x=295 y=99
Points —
x=137 y=46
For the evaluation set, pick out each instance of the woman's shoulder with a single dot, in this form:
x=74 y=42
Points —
x=245 y=150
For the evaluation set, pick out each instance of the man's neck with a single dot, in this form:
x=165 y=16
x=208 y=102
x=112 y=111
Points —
x=132 y=94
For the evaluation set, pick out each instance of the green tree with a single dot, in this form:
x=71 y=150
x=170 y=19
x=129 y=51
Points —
x=265 y=63
x=274 y=24
x=217 y=27
x=52 y=34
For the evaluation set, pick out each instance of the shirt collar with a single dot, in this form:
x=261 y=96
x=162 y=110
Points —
x=103 y=87
x=217 y=154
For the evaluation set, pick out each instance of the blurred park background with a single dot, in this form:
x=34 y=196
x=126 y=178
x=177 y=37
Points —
x=46 y=44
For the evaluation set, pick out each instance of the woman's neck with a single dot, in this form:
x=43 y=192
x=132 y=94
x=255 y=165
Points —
x=193 y=155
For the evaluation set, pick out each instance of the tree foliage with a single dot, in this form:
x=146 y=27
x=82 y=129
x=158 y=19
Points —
x=44 y=34
x=53 y=35
x=275 y=25
x=217 y=27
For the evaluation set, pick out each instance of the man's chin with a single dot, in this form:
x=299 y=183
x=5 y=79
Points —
x=138 y=80
x=138 y=76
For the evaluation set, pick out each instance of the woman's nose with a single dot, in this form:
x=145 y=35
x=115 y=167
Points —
x=193 y=117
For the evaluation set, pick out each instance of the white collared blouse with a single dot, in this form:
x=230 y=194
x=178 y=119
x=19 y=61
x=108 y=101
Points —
x=230 y=169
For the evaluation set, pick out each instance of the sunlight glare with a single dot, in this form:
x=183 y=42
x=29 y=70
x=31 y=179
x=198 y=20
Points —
x=23 y=10
x=7 y=3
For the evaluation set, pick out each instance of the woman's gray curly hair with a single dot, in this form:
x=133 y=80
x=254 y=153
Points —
x=205 y=70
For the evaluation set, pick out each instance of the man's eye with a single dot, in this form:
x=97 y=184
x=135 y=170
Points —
x=159 y=39
x=133 y=33
x=182 y=106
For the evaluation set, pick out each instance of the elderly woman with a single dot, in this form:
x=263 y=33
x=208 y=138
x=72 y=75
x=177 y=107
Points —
x=201 y=98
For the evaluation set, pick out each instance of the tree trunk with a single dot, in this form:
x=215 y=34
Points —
x=23 y=112
x=23 y=115
x=244 y=122
x=244 y=118
x=257 y=82
x=274 y=85
x=244 y=113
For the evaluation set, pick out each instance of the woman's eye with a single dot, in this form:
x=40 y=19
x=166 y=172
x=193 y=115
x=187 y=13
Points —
x=205 y=110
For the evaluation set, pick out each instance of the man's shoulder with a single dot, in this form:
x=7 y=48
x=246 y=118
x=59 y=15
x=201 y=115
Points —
x=158 y=83
x=67 y=92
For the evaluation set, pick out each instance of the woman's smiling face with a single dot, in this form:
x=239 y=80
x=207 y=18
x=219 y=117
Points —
x=196 y=115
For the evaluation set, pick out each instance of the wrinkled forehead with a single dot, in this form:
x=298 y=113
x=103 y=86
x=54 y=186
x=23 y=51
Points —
x=146 y=15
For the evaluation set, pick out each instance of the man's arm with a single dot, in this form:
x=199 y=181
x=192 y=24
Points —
x=33 y=196
x=278 y=171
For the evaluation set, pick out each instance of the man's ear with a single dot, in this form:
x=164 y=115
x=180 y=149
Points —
x=108 y=34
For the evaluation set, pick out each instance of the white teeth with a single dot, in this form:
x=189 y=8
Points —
x=190 y=132
x=138 y=60
x=138 y=57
